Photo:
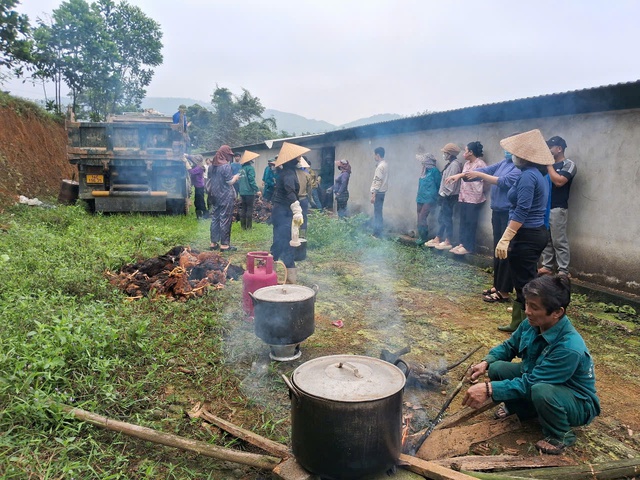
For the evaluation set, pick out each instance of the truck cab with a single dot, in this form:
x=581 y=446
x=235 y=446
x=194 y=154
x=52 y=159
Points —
x=130 y=163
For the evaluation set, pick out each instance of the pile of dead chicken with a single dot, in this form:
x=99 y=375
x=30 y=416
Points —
x=180 y=274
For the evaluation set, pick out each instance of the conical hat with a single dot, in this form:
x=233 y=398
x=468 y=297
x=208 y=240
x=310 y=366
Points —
x=247 y=156
x=302 y=163
x=529 y=146
x=289 y=151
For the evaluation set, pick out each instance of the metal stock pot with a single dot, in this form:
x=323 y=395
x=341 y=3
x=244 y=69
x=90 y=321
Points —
x=346 y=415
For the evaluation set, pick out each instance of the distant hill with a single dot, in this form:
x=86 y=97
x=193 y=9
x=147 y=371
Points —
x=289 y=122
x=381 y=117
x=292 y=123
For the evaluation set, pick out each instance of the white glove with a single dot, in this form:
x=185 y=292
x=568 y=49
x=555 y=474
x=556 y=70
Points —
x=297 y=213
x=503 y=244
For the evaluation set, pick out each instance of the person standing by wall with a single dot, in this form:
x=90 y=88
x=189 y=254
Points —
x=341 y=187
x=269 y=179
x=448 y=198
x=502 y=176
x=315 y=188
x=302 y=172
x=223 y=197
x=427 y=196
x=286 y=207
x=526 y=234
x=248 y=189
x=561 y=174
x=180 y=119
x=379 y=188
x=195 y=167
x=471 y=199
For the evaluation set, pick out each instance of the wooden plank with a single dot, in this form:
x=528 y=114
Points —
x=498 y=463
x=275 y=448
x=465 y=414
x=244 y=458
x=290 y=469
x=450 y=442
x=431 y=470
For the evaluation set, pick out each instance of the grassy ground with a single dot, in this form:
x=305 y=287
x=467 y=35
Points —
x=67 y=336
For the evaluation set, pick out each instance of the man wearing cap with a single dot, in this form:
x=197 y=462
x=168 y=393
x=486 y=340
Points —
x=448 y=198
x=561 y=174
x=379 y=190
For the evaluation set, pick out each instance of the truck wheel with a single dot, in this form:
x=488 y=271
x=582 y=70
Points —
x=91 y=206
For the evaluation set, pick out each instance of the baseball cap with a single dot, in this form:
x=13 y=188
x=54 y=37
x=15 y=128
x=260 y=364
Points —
x=557 y=142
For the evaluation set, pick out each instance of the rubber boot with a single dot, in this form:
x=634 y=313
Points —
x=249 y=223
x=292 y=275
x=423 y=236
x=517 y=316
x=243 y=223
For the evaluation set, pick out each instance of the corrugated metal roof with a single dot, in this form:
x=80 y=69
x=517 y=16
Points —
x=620 y=96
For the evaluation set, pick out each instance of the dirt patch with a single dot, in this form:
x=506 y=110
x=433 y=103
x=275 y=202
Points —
x=33 y=152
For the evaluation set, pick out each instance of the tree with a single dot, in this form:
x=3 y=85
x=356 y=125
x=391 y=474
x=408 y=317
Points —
x=102 y=51
x=237 y=120
x=15 y=42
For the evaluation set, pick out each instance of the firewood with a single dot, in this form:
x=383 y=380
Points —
x=264 y=462
x=449 y=442
x=431 y=470
x=259 y=441
x=465 y=414
x=599 y=471
x=503 y=462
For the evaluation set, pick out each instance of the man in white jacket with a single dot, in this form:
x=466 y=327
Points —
x=378 y=190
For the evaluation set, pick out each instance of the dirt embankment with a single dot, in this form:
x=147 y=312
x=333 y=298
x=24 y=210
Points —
x=33 y=157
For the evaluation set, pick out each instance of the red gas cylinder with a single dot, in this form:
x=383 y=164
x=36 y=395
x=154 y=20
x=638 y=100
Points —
x=259 y=273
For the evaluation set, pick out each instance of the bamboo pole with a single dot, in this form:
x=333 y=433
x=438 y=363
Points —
x=263 y=462
x=596 y=471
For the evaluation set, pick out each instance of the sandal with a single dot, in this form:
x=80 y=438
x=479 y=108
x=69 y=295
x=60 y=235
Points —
x=230 y=248
x=501 y=413
x=214 y=246
x=495 y=297
x=551 y=446
x=489 y=291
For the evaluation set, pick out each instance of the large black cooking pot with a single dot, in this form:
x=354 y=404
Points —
x=284 y=314
x=346 y=415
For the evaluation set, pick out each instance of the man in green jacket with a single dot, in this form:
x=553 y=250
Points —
x=555 y=381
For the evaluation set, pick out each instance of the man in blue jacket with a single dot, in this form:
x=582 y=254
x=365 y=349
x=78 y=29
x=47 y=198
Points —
x=555 y=381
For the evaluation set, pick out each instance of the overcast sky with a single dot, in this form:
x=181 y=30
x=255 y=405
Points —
x=340 y=60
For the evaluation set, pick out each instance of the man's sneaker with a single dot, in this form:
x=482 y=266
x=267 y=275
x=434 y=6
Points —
x=443 y=246
x=431 y=243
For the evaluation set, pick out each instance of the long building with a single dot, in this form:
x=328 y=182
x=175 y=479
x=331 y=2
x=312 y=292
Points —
x=600 y=125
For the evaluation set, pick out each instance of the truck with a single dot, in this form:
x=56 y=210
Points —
x=130 y=163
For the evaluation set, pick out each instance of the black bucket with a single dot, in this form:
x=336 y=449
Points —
x=300 y=253
x=69 y=190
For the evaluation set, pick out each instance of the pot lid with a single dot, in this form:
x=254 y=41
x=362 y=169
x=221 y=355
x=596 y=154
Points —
x=284 y=293
x=348 y=378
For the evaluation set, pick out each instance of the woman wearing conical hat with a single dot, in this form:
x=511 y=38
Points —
x=526 y=234
x=286 y=206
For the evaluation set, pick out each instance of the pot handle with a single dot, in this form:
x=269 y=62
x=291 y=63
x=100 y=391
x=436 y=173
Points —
x=406 y=369
x=353 y=368
x=315 y=288
x=292 y=390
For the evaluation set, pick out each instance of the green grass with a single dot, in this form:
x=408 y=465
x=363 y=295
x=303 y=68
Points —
x=67 y=336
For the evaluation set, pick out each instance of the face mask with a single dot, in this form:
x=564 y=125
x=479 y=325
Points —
x=507 y=155
x=518 y=162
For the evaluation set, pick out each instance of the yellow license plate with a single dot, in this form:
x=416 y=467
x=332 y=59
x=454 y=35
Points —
x=95 y=179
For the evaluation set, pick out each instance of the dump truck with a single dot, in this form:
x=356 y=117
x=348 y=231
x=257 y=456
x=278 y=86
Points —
x=130 y=163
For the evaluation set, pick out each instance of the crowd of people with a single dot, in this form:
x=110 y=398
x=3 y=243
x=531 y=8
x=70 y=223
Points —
x=529 y=191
